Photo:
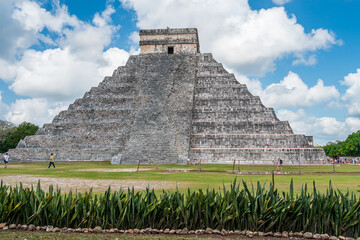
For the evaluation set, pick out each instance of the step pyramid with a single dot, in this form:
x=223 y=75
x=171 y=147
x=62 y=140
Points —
x=169 y=104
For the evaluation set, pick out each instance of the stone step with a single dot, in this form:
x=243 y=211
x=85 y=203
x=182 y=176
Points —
x=246 y=115
x=115 y=84
x=206 y=65
x=214 y=82
x=112 y=127
x=236 y=97
x=231 y=103
x=120 y=71
x=99 y=92
x=224 y=90
x=207 y=57
x=241 y=127
x=74 y=141
x=112 y=90
x=230 y=109
x=258 y=155
x=123 y=79
x=224 y=96
x=232 y=85
x=62 y=154
x=249 y=141
x=103 y=103
x=212 y=69
x=91 y=115
x=213 y=74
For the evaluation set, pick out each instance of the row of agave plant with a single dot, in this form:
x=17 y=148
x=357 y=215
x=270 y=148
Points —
x=240 y=207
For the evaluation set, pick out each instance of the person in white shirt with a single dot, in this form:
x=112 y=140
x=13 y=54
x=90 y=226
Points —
x=6 y=159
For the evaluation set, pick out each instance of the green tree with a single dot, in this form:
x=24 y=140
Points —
x=332 y=148
x=12 y=138
x=349 y=147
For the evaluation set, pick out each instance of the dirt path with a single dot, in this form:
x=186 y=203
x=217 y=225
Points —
x=82 y=185
x=115 y=170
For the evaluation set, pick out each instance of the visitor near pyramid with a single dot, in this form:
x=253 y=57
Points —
x=169 y=104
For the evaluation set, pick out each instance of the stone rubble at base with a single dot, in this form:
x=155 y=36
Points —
x=169 y=108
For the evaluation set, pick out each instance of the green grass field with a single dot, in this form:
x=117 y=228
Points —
x=346 y=177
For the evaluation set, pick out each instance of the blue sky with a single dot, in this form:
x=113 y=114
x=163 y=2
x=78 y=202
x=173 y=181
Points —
x=300 y=56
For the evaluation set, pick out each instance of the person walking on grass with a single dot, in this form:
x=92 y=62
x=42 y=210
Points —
x=279 y=165
x=52 y=160
x=6 y=159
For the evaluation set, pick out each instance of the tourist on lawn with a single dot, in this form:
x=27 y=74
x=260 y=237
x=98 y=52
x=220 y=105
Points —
x=6 y=159
x=52 y=160
x=279 y=165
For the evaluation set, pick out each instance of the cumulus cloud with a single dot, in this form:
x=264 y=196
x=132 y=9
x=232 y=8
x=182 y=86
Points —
x=351 y=97
x=54 y=74
x=291 y=91
x=114 y=57
x=280 y=2
x=3 y=106
x=244 y=39
x=353 y=123
x=35 y=110
x=34 y=18
x=324 y=129
x=17 y=38
x=54 y=77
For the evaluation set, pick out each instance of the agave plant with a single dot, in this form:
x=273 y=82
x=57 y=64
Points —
x=241 y=207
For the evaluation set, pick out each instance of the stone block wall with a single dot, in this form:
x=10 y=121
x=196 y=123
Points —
x=169 y=108
x=182 y=40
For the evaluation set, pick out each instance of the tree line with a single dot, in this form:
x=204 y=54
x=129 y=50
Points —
x=10 y=136
x=349 y=147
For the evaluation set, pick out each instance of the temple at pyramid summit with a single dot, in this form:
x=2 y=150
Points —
x=169 y=104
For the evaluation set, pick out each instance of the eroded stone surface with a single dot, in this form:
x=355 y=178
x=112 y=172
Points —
x=169 y=108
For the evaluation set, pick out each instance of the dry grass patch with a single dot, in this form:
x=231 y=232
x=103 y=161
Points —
x=115 y=170
x=82 y=185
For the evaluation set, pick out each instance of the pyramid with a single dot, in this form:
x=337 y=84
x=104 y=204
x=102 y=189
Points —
x=169 y=104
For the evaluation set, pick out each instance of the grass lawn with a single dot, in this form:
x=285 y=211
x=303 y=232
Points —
x=77 y=236
x=186 y=176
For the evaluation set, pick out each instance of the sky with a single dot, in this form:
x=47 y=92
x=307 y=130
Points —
x=302 y=57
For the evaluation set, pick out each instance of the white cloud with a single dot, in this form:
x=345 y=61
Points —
x=53 y=74
x=281 y=2
x=114 y=57
x=244 y=39
x=324 y=129
x=55 y=77
x=14 y=37
x=134 y=38
x=34 y=18
x=291 y=91
x=302 y=60
x=35 y=110
x=7 y=70
x=351 y=97
x=3 y=107
x=353 y=123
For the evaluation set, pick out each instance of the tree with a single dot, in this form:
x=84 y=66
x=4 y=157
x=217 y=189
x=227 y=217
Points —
x=332 y=148
x=12 y=138
x=349 y=147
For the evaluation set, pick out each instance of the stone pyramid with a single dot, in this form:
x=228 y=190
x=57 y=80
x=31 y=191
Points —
x=169 y=104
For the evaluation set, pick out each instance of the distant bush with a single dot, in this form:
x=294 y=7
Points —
x=9 y=138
